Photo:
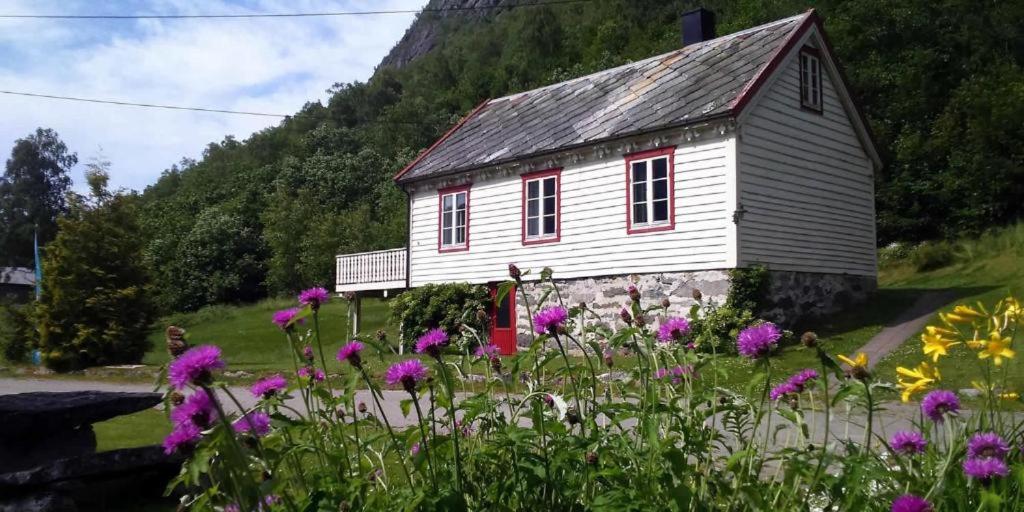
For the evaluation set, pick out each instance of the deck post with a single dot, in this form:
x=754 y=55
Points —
x=355 y=312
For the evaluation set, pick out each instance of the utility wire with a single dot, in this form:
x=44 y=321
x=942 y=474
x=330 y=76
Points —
x=279 y=15
x=147 y=105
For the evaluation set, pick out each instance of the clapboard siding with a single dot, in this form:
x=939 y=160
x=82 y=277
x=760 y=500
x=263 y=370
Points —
x=805 y=183
x=593 y=241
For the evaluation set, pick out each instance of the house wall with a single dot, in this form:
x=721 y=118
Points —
x=593 y=240
x=805 y=183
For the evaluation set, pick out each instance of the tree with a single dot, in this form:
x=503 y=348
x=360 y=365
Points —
x=33 y=193
x=96 y=306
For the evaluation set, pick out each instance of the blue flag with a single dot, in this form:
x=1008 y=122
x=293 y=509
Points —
x=39 y=266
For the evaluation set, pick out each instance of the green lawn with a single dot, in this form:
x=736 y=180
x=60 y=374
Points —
x=138 y=429
x=252 y=343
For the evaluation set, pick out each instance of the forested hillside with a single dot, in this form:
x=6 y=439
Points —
x=941 y=83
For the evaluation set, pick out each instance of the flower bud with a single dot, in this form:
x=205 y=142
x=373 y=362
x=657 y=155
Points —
x=176 y=398
x=176 y=344
x=697 y=296
x=608 y=361
x=640 y=321
x=809 y=339
x=591 y=459
x=572 y=416
x=381 y=335
x=496 y=364
x=481 y=316
x=545 y=273
x=665 y=303
x=361 y=407
x=514 y=272
x=634 y=293
x=625 y=316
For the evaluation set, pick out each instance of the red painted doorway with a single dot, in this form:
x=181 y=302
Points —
x=503 y=321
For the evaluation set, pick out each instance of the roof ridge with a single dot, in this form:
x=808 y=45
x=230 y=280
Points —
x=695 y=46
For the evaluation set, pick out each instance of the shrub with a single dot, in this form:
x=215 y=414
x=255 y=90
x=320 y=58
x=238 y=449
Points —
x=748 y=289
x=17 y=331
x=441 y=305
x=932 y=256
x=96 y=307
x=714 y=327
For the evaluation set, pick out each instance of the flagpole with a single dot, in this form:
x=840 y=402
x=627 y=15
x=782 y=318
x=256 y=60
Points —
x=39 y=267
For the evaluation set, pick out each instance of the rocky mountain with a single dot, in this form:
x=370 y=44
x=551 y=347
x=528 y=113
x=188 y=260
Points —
x=424 y=33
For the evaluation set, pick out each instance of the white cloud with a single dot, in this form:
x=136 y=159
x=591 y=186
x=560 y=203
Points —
x=274 y=65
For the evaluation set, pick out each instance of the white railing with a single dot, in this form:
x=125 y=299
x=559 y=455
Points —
x=377 y=270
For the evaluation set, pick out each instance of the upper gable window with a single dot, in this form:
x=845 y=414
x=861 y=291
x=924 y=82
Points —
x=810 y=79
x=453 y=224
x=541 y=204
x=650 y=191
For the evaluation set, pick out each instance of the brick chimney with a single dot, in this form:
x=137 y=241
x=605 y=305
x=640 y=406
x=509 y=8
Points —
x=698 y=26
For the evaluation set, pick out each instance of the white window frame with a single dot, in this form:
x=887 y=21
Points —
x=542 y=212
x=649 y=181
x=810 y=80
x=450 y=214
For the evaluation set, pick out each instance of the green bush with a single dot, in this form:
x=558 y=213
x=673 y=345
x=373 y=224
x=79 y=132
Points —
x=748 y=288
x=17 y=331
x=441 y=305
x=932 y=256
x=96 y=305
x=714 y=328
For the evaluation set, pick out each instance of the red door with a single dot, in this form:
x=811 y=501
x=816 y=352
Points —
x=503 y=322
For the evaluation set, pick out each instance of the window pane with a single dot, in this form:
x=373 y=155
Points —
x=446 y=237
x=659 y=168
x=460 y=235
x=639 y=213
x=549 y=186
x=447 y=202
x=660 y=189
x=460 y=200
x=549 y=205
x=446 y=220
x=549 y=224
x=532 y=189
x=460 y=218
x=503 y=317
x=639 y=193
x=531 y=226
x=639 y=171
x=660 y=211
x=531 y=208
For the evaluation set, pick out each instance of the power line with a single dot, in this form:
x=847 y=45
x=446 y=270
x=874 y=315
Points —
x=279 y=15
x=146 y=105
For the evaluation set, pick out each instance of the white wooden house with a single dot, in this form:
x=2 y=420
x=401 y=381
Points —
x=741 y=150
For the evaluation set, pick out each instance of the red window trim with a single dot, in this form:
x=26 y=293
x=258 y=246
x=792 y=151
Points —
x=816 y=53
x=557 y=173
x=441 y=192
x=670 y=152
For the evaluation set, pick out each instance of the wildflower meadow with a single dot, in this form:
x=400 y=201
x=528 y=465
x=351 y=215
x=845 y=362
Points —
x=544 y=430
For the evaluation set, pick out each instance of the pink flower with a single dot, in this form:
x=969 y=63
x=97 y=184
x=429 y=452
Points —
x=197 y=410
x=675 y=374
x=408 y=373
x=432 y=342
x=415 y=450
x=985 y=468
x=938 y=403
x=758 y=341
x=794 y=384
x=908 y=443
x=307 y=353
x=194 y=366
x=987 y=444
x=184 y=437
x=268 y=387
x=673 y=329
x=350 y=352
x=314 y=297
x=283 y=317
x=911 y=503
x=550 y=319
x=308 y=372
x=255 y=422
x=487 y=351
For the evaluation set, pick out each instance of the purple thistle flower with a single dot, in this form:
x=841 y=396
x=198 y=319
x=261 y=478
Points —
x=911 y=503
x=782 y=390
x=256 y=423
x=487 y=351
x=432 y=342
x=281 y=318
x=268 y=387
x=232 y=507
x=803 y=377
x=415 y=450
x=182 y=438
x=408 y=373
x=307 y=353
x=907 y=443
x=197 y=410
x=987 y=444
x=309 y=372
x=985 y=468
x=194 y=366
x=938 y=403
x=758 y=341
x=675 y=374
x=314 y=297
x=673 y=329
x=550 y=319
x=350 y=352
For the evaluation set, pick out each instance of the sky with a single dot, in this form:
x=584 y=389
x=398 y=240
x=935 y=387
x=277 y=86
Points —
x=272 y=65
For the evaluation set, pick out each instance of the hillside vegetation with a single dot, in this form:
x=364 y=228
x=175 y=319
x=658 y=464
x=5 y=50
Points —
x=941 y=83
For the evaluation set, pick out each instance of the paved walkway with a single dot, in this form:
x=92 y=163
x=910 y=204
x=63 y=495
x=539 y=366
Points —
x=905 y=325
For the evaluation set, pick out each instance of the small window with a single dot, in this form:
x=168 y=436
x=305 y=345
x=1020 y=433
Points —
x=650 y=191
x=810 y=79
x=541 y=203
x=453 y=224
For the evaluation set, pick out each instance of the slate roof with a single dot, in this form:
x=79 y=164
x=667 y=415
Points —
x=686 y=86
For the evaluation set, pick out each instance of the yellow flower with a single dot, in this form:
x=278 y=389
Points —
x=919 y=379
x=935 y=345
x=1013 y=309
x=961 y=314
x=976 y=343
x=997 y=348
x=858 y=365
x=1007 y=395
x=935 y=330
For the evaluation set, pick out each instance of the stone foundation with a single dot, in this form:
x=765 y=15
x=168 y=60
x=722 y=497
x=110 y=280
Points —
x=792 y=296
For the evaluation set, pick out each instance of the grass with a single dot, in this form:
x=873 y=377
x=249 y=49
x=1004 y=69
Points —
x=139 y=429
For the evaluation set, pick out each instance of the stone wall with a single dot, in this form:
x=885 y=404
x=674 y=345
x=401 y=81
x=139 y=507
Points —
x=795 y=296
x=607 y=295
x=792 y=296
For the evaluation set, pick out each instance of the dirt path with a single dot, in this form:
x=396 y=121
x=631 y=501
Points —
x=905 y=325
